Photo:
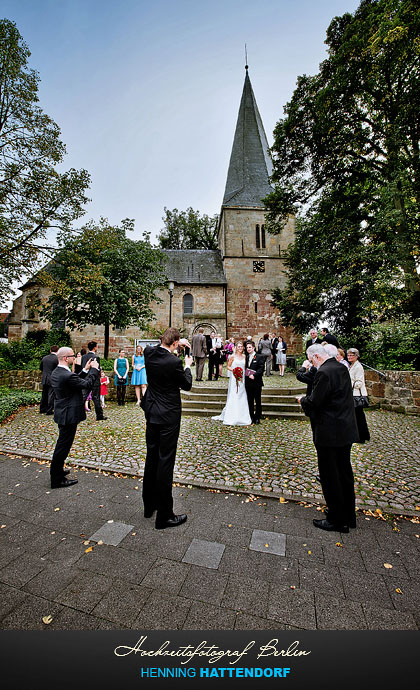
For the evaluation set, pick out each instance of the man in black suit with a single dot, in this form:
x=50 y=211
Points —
x=162 y=408
x=69 y=409
x=96 y=390
x=313 y=340
x=47 y=366
x=330 y=408
x=254 y=382
x=328 y=337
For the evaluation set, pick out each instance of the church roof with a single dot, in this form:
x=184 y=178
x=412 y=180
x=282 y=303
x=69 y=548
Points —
x=194 y=266
x=250 y=163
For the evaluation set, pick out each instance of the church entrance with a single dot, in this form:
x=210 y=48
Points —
x=208 y=328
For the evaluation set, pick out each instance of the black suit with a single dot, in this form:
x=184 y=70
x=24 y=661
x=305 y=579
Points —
x=69 y=410
x=47 y=366
x=162 y=408
x=96 y=390
x=330 y=339
x=253 y=386
x=330 y=408
x=309 y=342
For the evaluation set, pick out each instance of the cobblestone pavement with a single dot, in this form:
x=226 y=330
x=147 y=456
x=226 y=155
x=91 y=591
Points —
x=277 y=457
x=85 y=558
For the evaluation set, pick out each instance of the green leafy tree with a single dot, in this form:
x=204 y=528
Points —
x=188 y=230
x=103 y=278
x=346 y=160
x=34 y=197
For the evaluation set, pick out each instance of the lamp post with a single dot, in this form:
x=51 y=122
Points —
x=171 y=295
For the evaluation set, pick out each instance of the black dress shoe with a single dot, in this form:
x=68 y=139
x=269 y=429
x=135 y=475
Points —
x=330 y=526
x=66 y=472
x=101 y=419
x=352 y=522
x=256 y=421
x=148 y=512
x=173 y=521
x=63 y=483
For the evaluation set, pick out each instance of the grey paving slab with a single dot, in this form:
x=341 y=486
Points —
x=365 y=587
x=22 y=569
x=203 y=616
x=333 y=613
x=304 y=548
x=207 y=554
x=268 y=542
x=85 y=591
x=71 y=619
x=236 y=535
x=204 y=584
x=111 y=533
x=243 y=593
x=10 y=598
x=163 y=611
x=244 y=621
x=257 y=565
x=122 y=603
x=114 y=561
x=29 y=614
x=166 y=576
x=407 y=598
x=293 y=607
x=320 y=578
x=52 y=580
x=386 y=619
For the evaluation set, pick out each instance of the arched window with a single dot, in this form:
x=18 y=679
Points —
x=188 y=303
x=262 y=237
x=257 y=236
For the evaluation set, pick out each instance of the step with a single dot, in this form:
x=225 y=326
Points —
x=200 y=412
x=211 y=397
x=219 y=405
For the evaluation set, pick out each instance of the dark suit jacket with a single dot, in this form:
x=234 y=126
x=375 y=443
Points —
x=47 y=366
x=306 y=376
x=330 y=406
x=88 y=356
x=165 y=377
x=331 y=339
x=309 y=342
x=69 y=407
x=257 y=363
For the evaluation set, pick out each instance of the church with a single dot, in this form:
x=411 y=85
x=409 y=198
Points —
x=228 y=290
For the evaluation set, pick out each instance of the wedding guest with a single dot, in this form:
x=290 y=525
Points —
x=199 y=351
x=329 y=337
x=236 y=410
x=357 y=378
x=47 y=366
x=219 y=348
x=162 y=408
x=68 y=409
x=313 y=338
x=139 y=378
x=330 y=408
x=96 y=390
x=274 y=343
x=77 y=364
x=341 y=357
x=104 y=387
x=213 y=363
x=265 y=350
x=121 y=369
x=281 y=355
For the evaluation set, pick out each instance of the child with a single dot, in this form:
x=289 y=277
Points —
x=104 y=387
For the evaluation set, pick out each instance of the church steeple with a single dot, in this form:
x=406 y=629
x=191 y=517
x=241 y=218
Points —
x=250 y=163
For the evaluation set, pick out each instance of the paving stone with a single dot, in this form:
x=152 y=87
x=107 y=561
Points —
x=10 y=598
x=268 y=542
x=204 y=584
x=257 y=565
x=304 y=548
x=244 y=621
x=387 y=619
x=162 y=611
x=320 y=578
x=85 y=591
x=70 y=619
x=52 y=580
x=21 y=570
x=375 y=559
x=111 y=533
x=409 y=599
x=245 y=594
x=206 y=617
x=207 y=554
x=234 y=534
x=122 y=603
x=343 y=556
x=29 y=614
x=292 y=607
x=333 y=613
x=166 y=576
x=116 y=562
x=365 y=587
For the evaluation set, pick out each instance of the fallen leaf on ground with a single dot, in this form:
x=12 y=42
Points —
x=89 y=549
x=47 y=620
x=337 y=543
x=56 y=509
x=86 y=543
x=100 y=542
x=398 y=590
x=387 y=566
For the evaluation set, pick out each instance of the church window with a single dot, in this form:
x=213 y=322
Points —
x=257 y=236
x=262 y=237
x=256 y=307
x=188 y=303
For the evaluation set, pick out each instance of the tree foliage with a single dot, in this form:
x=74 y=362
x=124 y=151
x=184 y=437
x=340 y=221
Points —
x=104 y=278
x=188 y=230
x=34 y=197
x=347 y=162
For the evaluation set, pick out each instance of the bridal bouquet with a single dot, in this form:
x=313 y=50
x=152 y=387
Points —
x=238 y=374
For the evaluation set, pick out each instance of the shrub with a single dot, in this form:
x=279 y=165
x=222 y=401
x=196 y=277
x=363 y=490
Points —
x=11 y=400
x=391 y=345
x=28 y=352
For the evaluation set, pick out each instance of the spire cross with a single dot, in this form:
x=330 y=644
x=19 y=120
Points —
x=246 y=58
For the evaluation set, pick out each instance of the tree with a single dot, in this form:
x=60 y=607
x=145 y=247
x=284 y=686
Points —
x=188 y=230
x=347 y=162
x=34 y=197
x=104 y=278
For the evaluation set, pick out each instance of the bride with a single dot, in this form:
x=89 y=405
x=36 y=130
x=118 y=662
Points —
x=236 y=410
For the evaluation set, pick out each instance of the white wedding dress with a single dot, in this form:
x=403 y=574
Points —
x=236 y=410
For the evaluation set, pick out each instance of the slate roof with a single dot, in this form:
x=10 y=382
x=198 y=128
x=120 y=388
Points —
x=195 y=266
x=250 y=163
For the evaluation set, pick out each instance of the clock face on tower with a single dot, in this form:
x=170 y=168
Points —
x=258 y=266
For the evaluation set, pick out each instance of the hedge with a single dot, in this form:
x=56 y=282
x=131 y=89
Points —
x=11 y=400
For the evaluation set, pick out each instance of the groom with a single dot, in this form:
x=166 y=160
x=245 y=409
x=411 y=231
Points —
x=254 y=381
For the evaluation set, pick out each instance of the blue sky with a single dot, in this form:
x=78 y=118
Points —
x=147 y=93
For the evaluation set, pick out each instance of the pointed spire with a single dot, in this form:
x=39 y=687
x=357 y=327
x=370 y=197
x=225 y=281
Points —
x=250 y=163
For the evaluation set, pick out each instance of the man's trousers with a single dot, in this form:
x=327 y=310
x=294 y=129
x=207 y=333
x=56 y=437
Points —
x=337 y=482
x=63 y=446
x=161 y=442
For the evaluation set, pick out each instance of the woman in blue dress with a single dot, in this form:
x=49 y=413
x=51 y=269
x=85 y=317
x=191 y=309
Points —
x=121 y=368
x=139 y=378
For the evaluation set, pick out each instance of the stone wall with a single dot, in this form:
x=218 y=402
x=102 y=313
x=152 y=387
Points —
x=400 y=392
x=31 y=380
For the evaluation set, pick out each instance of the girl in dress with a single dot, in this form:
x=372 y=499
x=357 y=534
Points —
x=139 y=378
x=236 y=410
x=104 y=387
x=121 y=368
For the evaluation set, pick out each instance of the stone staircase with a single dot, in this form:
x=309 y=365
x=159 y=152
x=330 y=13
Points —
x=276 y=402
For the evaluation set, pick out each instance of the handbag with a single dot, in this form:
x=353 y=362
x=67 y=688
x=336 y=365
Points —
x=360 y=400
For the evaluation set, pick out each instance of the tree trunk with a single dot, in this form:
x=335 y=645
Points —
x=106 y=345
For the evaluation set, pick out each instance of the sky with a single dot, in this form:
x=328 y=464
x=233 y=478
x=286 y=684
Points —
x=146 y=94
